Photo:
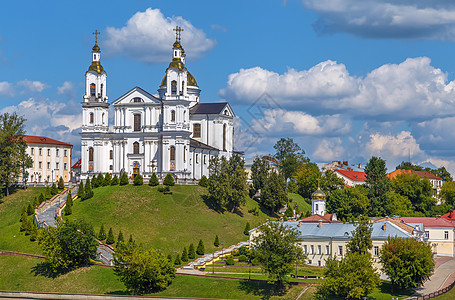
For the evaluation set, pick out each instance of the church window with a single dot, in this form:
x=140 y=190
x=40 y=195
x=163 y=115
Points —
x=40 y=150
x=197 y=130
x=40 y=165
x=56 y=165
x=90 y=154
x=173 y=115
x=111 y=167
x=224 y=137
x=92 y=90
x=111 y=154
x=317 y=208
x=32 y=151
x=91 y=118
x=183 y=84
x=184 y=154
x=65 y=153
x=102 y=88
x=197 y=158
x=65 y=166
x=48 y=152
x=226 y=112
x=137 y=122
x=174 y=87
x=48 y=165
x=137 y=99
x=205 y=159
x=135 y=148
x=172 y=153
x=102 y=118
x=57 y=152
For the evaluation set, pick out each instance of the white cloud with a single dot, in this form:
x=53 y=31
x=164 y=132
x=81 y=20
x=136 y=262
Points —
x=404 y=19
x=32 y=86
x=148 y=37
x=6 y=89
x=66 y=88
x=329 y=150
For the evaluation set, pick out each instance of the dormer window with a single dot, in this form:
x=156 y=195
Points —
x=137 y=99
x=226 y=112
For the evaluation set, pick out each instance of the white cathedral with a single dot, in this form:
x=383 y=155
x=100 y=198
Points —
x=171 y=132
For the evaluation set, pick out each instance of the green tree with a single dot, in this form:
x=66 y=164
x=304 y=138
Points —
x=200 y=250
x=138 y=180
x=418 y=190
x=407 y=262
x=33 y=232
x=177 y=260
x=120 y=238
x=184 y=255
x=191 y=252
x=124 y=179
x=100 y=180
x=47 y=192
x=289 y=156
x=349 y=203
x=115 y=180
x=169 y=180
x=41 y=198
x=216 y=243
x=260 y=172
x=330 y=182
x=443 y=173
x=68 y=210
x=107 y=179
x=88 y=193
x=14 y=160
x=130 y=240
x=25 y=224
x=447 y=193
x=30 y=209
x=361 y=241
x=306 y=178
x=81 y=190
x=378 y=185
x=54 y=189
x=204 y=181
x=274 y=195
x=110 y=237
x=153 y=181
x=277 y=250
x=102 y=233
x=36 y=202
x=61 y=184
x=142 y=271
x=246 y=231
x=400 y=205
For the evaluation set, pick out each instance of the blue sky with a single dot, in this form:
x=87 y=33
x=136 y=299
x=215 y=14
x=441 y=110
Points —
x=345 y=79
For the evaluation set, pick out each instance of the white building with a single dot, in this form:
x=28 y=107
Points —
x=351 y=178
x=171 y=132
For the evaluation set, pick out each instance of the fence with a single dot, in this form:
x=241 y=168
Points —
x=435 y=294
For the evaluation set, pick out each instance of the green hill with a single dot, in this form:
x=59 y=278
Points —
x=302 y=204
x=166 y=222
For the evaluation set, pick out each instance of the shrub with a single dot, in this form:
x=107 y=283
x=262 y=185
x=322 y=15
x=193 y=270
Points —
x=107 y=179
x=36 y=202
x=216 y=243
x=204 y=182
x=61 y=184
x=243 y=250
x=184 y=255
x=169 y=258
x=120 y=238
x=191 y=252
x=23 y=214
x=33 y=231
x=102 y=233
x=200 y=248
x=124 y=179
x=255 y=262
x=110 y=237
x=243 y=258
x=54 y=189
x=251 y=192
x=88 y=190
x=47 y=193
x=246 y=231
x=177 y=261
x=30 y=209
x=162 y=189
x=235 y=253
x=230 y=261
x=68 y=210
x=153 y=181
x=130 y=240
x=41 y=198
x=254 y=211
x=169 y=180
x=115 y=180
x=138 y=180
x=100 y=180
x=81 y=190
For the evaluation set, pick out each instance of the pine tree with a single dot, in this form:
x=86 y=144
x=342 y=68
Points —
x=36 y=202
x=191 y=252
x=33 y=232
x=61 y=184
x=30 y=209
x=246 y=231
x=107 y=179
x=81 y=190
x=169 y=180
x=120 y=239
x=204 y=181
x=68 y=210
x=23 y=214
x=169 y=258
x=184 y=255
x=26 y=225
x=177 y=261
x=41 y=198
x=130 y=240
x=54 y=189
x=114 y=180
x=153 y=181
x=110 y=237
x=216 y=243
x=138 y=180
x=100 y=180
x=102 y=233
x=88 y=190
x=47 y=192
x=200 y=248
x=124 y=179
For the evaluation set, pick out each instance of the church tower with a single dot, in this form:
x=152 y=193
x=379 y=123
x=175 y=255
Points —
x=95 y=107
x=318 y=202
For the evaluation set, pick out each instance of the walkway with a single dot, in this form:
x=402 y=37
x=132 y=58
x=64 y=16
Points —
x=445 y=267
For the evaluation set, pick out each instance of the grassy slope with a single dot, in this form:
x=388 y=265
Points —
x=10 y=211
x=166 y=222
x=296 y=198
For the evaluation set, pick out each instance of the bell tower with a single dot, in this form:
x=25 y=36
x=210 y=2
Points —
x=318 y=202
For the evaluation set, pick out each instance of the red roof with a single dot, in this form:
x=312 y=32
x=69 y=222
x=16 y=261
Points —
x=31 y=139
x=327 y=218
x=429 y=221
x=77 y=165
x=426 y=174
x=449 y=216
x=353 y=175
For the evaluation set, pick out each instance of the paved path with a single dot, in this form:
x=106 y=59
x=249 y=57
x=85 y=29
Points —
x=445 y=267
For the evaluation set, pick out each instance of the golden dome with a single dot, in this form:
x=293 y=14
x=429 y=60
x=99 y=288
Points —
x=96 y=48
x=164 y=81
x=176 y=63
x=190 y=80
x=177 y=45
x=97 y=67
x=318 y=195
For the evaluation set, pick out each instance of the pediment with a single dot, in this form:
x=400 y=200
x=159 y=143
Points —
x=137 y=96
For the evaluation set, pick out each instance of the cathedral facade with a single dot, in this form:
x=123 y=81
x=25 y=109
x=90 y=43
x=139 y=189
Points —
x=170 y=132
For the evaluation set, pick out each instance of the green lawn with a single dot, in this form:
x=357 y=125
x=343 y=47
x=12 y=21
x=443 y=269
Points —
x=10 y=211
x=302 y=204
x=237 y=269
x=166 y=222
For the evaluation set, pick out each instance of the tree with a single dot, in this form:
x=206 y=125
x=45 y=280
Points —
x=81 y=190
x=61 y=184
x=277 y=250
x=216 y=243
x=246 y=231
x=25 y=225
x=30 y=209
x=36 y=202
x=200 y=250
x=227 y=183
x=23 y=214
x=407 y=262
x=153 y=181
x=360 y=241
x=169 y=180
x=184 y=255
x=115 y=180
x=70 y=244
x=41 y=198
x=88 y=193
x=289 y=156
x=177 y=260
x=400 y=205
x=69 y=204
x=54 y=189
x=274 y=195
x=100 y=180
x=204 y=181
x=418 y=190
x=378 y=185
x=110 y=237
x=107 y=179
x=138 y=180
x=349 y=203
x=306 y=178
x=191 y=252
x=102 y=233
x=130 y=240
x=14 y=160
x=124 y=179
x=330 y=182
x=260 y=172
x=443 y=173
x=447 y=193
x=120 y=238
x=142 y=271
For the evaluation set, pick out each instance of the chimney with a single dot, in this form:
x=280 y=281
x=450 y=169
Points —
x=360 y=166
x=320 y=224
x=384 y=227
x=345 y=163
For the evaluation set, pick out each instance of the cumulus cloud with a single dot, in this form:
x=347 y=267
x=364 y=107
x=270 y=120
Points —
x=66 y=88
x=402 y=19
x=6 y=89
x=32 y=86
x=329 y=149
x=148 y=37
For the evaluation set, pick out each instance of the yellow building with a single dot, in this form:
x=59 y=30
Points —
x=51 y=160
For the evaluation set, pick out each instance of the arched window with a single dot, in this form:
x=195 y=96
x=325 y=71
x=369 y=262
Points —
x=317 y=207
x=224 y=137
x=172 y=153
x=91 y=117
x=173 y=87
x=137 y=122
x=137 y=99
x=183 y=85
x=173 y=115
x=205 y=159
x=226 y=112
x=102 y=88
x=111 y=154
x=135 y=148
x=197 y=158
x=90 y=154
x=102 y=118
x=196 y=130
x=92 y=90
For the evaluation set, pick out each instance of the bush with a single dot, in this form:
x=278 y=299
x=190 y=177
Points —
x=41 y=198
x=153 y=181
x=30 y=209
x=184 y=255
x=216 y=243
x=204 y=182
x=254 y=211
x=107 y=179
x=81 y=190
x=88 y=190
x=169 y=180
x=61 y=184
x=36 y=202
x=162 y=189
x=110 y=237
x=191 y=252
x=114 y=180
x=255 y=262
x=100 y=180
x=177 y=261
x=138 y=180
x=251 y=192
x=124 y=179
x=243 y=250
x=102 y=233
x=54 y=189
x=230 y=261
x=246 y=231
x=68 y=210
x=235 y=253
x=243 y=258
x=200 y=248
x=120 y=238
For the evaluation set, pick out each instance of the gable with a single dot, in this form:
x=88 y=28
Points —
x=219 y=108
x=137 y=96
